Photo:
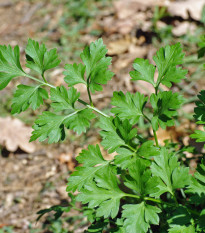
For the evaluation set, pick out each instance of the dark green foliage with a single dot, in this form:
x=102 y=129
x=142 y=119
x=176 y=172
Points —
x=143 y=188
x=95 y=66
x=39 y=58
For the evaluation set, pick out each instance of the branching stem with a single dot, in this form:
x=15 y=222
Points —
x=93 y=108
x=154 y=131
x=159 y=202
x=44 y=78
x=79 y=100
x=155 y=138
x=38 y=80
x=88 y=90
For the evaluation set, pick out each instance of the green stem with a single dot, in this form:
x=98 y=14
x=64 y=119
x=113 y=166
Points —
x=131 y=148
x=131 y=195
x=79 y=110
x=154 y=132
x=155 y=138
x=146 y=118
x=38 y=80
x=44 y=78
x=156 y=89
x=93 y=108
x=175 y=199
x=159 y=202
x=88 y=90
x=89 y=95
x=79 y=100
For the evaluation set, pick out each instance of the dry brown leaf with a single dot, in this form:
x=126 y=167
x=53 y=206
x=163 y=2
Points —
x=184 y=8
x=134 y=51
x=169 y=134
x=118 y=47
x=128 y=8
x=14 y=133
x=68 y=159
x=183 y=27
x=129 y=14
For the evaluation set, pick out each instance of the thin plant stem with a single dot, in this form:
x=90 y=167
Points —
x=158 y=202
x=89 y=95
x=155 y=138
x=44 y=79
x=88 y=90
x=131 y=148
x=154 y=131
x=79 y=100
x=146 y=118
x=156 y=89
x=93 y=108
x=38 y=80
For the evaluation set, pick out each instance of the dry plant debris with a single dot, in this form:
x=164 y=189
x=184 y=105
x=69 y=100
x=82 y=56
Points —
x=14 y=133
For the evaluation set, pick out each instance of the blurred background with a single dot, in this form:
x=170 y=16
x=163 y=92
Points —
x=33 y=176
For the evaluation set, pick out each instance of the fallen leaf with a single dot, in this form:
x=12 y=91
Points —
x=184 y=8
x=183 y=27
x=124 y=60
x=67 y=158
x=128 y=8
x=118 y=47
x=169 y=133
x=14 y=133
x=129 y=15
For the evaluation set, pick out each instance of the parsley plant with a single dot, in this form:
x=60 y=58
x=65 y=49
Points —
x=145 y=187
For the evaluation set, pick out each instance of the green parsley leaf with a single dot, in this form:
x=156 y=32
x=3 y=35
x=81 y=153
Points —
x=64 y=99
x=172 y=175
x=138 y=176
x=49 y=125
x=143 y=71
x=104 y=194
x=147 y=150
x=129 y=106
x=74 y=74
x=10 y=66
x=98 y=226
x=182 y=229
x=138 y=217
x=201 y=220
x=166 y=58
x=174 y=75
x=198 y=135
x=91 y=157
x=124 y=158
x=26 y=96
x=116 y=133
x=198 y=181
x=39 y=58
x=200 y=116
x=76 y=119
x=200 y=108
x=201 y=44
x=96 y=66
x=52 y=126
x=179 y=220
x=165 y=105
x=83 y=175
x=79 y=120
